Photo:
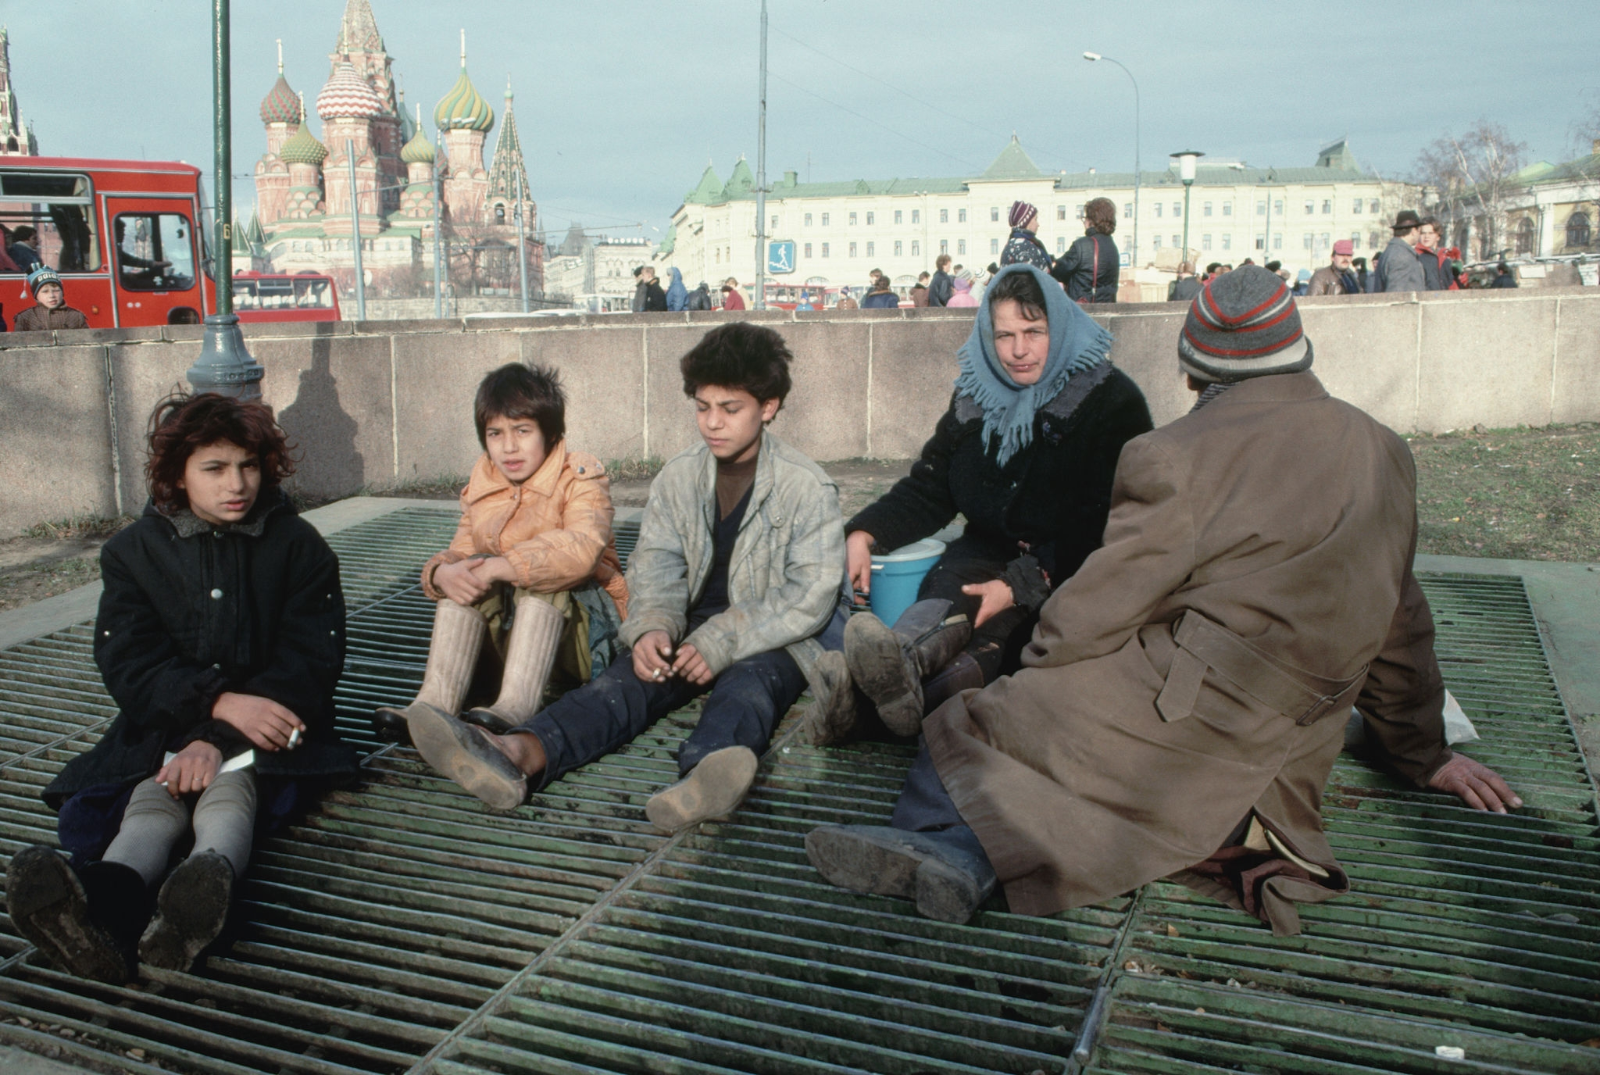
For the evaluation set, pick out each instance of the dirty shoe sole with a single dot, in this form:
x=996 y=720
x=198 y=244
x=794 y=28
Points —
x=882 y=861
x=878 y=666
x=460 y=752
x=47 y=904
x=712 y=789
x=190 y=911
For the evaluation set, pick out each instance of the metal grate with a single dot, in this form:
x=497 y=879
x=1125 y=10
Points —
x=401 y=927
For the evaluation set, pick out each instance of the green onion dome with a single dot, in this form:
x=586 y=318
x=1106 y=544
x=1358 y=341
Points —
x=462 y=108
x=419 y=150
x=303 y=148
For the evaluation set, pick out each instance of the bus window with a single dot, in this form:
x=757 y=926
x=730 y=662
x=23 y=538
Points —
x=313 y=294
x=59 y=209
x=154 y=252
x=244 y=295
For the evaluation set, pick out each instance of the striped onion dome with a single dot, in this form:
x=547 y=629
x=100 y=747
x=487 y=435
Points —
x=419 y=150
x=303 y=148
x=347 y=95
x=462 y=108
x=281 y=105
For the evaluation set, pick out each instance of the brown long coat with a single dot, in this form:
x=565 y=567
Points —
x=1286 y=519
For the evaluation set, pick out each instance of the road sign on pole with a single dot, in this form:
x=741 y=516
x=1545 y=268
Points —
x=780 y=257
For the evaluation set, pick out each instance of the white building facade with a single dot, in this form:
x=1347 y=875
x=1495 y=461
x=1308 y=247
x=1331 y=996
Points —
x=843 y=230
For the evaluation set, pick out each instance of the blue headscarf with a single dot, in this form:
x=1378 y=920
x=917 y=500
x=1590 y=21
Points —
x=677 y=294
x=1076 y=344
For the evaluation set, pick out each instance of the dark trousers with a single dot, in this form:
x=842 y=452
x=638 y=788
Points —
x=925 y=806
x=744 y=706
x=997 y=645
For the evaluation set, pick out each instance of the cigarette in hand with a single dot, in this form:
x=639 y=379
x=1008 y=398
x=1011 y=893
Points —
x=294 y=738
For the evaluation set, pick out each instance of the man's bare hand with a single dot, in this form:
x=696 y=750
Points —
x=858 y=559
x=691 y=666
x=652 y=656
x=995 y=596
x=264 y=722
x=1477 y=785
x=191 y=769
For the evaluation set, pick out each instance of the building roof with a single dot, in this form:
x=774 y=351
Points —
x=507 y=169
x=419 y=150
x=281 y=104
x=358 y=30
x=348 y=96
x=1338 y=155
x=741 y=181
x=1012 y=163
x=708 y=190
x=574 y=243
x=1585 y=169
x=303 y=148
x=462 y=108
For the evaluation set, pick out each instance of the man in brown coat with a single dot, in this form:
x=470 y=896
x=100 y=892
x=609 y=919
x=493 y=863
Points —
x=1336 y=278
x=1185 y=694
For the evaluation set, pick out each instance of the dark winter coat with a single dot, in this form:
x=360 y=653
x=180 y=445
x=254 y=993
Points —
x=1086 y=277
x=1183 y=289
x=1053 y=495
x=880 y=300
x=188 y=612
x=43 y=319
x=1025 y=247
x=654 y=298
x=940 y=288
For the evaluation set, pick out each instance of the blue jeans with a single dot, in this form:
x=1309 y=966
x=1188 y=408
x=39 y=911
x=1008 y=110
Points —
x=925 y=806
x=744 y=706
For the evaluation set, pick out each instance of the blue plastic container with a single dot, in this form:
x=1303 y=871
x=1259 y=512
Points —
x=896 y=576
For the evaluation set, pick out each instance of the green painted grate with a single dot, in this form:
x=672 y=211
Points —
x=400 y=927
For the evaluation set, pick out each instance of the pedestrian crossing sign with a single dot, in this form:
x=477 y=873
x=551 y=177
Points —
x=780 y=257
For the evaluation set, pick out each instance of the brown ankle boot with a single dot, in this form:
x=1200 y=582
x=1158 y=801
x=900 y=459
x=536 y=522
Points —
x=890 y=664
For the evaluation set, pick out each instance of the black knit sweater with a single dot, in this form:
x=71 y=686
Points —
x=1052 y=496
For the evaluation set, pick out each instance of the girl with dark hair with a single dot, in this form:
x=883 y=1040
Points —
x=1090 y=267
x=533 y=569
x=220 y=637
x=1026 y=453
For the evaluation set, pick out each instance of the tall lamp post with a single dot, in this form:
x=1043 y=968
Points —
x=224 y=365
x=1186 y=167
x=761 y=175
x=1133 y=251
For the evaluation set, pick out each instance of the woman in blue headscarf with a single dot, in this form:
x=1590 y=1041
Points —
x=677 y=294
x=1026 y=453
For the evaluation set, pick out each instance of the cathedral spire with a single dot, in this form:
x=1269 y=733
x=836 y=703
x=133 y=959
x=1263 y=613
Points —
x=15 y=138
x=507 y=167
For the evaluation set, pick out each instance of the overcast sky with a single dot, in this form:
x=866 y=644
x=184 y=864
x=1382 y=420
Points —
x=621 y=105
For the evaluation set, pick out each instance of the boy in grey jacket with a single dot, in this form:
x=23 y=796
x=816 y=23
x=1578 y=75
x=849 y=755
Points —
x=736 y=584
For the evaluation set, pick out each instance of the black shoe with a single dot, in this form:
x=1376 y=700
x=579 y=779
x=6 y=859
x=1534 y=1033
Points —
x=49 y=907
x=488 y=720
x=948 y=880
x=389 y=725
x=190 y=911
x=464 y=754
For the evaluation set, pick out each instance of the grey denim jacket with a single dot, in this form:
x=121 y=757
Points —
x=786 y=577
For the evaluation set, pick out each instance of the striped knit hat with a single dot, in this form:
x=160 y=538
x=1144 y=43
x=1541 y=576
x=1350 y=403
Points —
x=1243 y=324
x=1022 y=214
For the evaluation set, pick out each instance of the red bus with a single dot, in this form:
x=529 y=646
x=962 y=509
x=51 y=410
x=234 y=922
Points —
x=305 y=296
x=126 y=236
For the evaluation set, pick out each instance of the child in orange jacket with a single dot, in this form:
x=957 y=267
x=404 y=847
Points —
x=535 y=527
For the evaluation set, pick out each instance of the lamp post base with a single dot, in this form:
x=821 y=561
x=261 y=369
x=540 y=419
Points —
x=225 y=366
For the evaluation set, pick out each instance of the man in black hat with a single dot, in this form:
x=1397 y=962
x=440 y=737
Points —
x=1399 y=268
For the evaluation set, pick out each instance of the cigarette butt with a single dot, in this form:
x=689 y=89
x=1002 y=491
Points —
x=294 y=738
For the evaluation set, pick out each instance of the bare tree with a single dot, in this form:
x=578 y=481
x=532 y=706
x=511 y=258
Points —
x=1472 y=177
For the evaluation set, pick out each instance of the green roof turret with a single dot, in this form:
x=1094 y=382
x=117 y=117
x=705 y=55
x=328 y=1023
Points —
x=419 y=150
x=462 y=108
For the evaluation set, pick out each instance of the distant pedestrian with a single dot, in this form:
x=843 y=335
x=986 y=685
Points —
x=846 y=302
x=1400 y=269
x=880 y=296
x=677 y=294
x=638 y=289
x=1336 y=278
x=1435 y=265
x=1186 y=286
x=919 y=291
x=1024 y=246
x=732 y=298
x=961 y=295
x=655 y=300
x=1212 y=272
x=1359 y=265
x=52 y=311
x=1089 y=268
x=24 y=248
x=939 y=287
x=699 y=298
x=1302 y=281
x=1502 y=278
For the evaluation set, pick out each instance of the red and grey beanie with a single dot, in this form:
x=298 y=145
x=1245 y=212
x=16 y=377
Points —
x=1022 y=214
x=1243 y=324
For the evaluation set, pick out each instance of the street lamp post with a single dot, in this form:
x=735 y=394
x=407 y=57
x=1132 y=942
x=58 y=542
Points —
x=1186 y=169
x=224 y=365
x=761 y=175
x=355 y=227
x=1133 y=251
x=522 y=253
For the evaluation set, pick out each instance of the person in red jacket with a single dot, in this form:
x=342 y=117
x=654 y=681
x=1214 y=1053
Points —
x=731 y=298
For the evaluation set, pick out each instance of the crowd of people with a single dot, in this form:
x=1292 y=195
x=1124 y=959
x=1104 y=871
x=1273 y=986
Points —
x=1137 y=661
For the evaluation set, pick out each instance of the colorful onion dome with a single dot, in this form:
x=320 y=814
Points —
x=347 y=96
x=281 y=105
x=462 y=108
x=303 y=148
x=419 y=150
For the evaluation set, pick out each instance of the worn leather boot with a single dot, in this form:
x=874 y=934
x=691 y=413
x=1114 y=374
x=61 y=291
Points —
x=50 y=906
x=191 y=910
x=536 y=630
x=831 y=717
x=961 y=674
x=946 y=873
x=889 y=665
x=458 y=633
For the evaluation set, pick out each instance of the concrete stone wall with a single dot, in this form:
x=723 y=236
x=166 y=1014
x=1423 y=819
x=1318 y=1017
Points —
x=382 y=403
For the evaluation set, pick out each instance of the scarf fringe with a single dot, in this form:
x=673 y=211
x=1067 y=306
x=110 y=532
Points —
x=1000 y=402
